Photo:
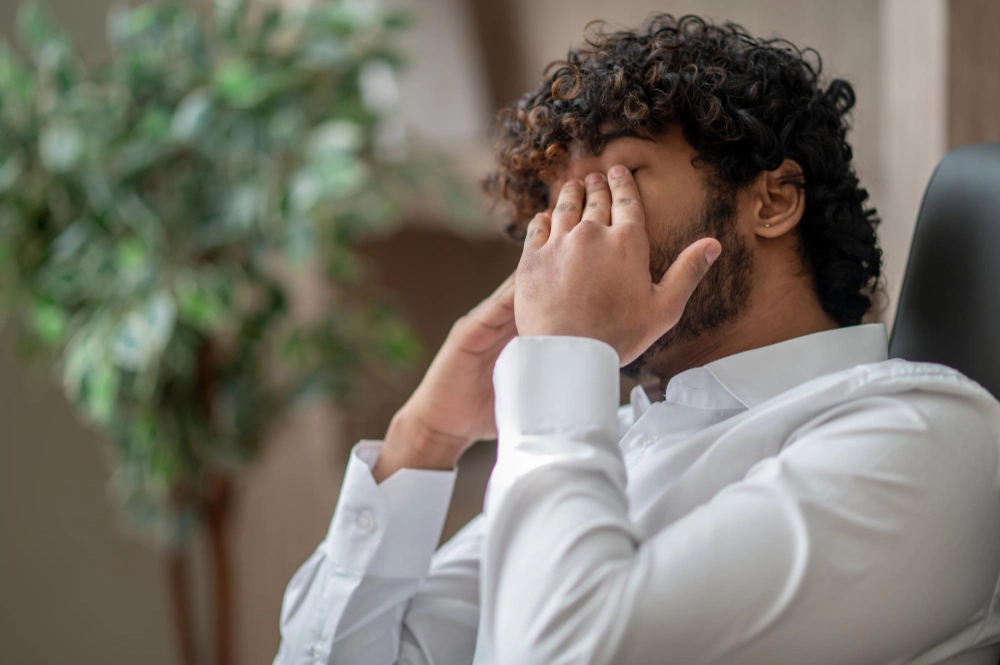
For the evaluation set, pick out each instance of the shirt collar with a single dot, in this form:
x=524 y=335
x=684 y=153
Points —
x=752 y=377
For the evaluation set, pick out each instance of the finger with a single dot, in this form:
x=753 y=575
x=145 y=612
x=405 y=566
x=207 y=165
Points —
x=683 y=277
x=498 y=309
x=598 y=206
x=566 y=213
x=538 y=231
x=625 y=205
x=489 y=323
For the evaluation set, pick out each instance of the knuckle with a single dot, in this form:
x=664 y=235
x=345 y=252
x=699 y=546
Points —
x=625 y=202
x=567 y=206
x=596 y=187
x=626 y=235
x=535 y=226
x=598 y=205
x=588 y=228
x=461 y=325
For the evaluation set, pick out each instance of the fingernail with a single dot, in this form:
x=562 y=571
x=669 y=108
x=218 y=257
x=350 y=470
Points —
x=573 y=183
x=712 y=253
x=617 y=171
x=594 y=178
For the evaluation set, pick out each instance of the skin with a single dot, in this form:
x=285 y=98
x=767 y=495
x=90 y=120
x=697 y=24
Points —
x=591 y=267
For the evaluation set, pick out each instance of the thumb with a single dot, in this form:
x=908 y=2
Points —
x=684 y=275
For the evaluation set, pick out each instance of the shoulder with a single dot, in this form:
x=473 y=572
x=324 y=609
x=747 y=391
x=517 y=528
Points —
x=940 y=395
x=905 y=384
x=914 y=413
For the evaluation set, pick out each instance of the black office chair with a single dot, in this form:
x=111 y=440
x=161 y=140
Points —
x=949 y=308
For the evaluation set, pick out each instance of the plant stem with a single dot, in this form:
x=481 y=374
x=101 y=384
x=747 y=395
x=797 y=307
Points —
x=180 y=603
x=219 y=522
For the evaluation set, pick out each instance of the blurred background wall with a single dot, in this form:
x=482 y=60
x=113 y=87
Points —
x=73 y=590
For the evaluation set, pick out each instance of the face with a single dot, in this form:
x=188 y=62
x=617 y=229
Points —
x=681 y=206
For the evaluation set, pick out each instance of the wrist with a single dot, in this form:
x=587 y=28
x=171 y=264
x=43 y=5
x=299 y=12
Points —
x=409 y=443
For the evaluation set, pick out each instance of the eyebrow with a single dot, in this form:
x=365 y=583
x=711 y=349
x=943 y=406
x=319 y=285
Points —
x=626 y=132
x=608 y=137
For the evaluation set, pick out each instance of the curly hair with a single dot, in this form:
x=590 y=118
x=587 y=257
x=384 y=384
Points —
x=744 y=104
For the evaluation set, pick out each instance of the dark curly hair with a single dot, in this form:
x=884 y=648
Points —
x=744 y=104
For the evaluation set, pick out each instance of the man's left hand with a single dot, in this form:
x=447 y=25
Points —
x=584 y=271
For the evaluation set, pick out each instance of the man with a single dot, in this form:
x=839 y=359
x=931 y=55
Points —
x=779 y=493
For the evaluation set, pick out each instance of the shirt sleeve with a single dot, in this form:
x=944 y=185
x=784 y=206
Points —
x=375 y=592
x=870 y=538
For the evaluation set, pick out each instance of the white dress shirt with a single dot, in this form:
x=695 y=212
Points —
x=806 y=502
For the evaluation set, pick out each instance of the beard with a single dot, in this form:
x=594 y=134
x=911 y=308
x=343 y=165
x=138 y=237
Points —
x=722 y=296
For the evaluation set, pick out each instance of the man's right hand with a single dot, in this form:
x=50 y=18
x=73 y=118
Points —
x=453 y=406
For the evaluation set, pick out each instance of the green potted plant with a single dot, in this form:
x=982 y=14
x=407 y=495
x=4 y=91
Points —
x=149 y=207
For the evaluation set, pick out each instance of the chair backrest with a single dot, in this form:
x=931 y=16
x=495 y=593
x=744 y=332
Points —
x=949 y=308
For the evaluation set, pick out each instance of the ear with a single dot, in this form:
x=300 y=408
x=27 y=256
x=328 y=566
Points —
x=778 y=200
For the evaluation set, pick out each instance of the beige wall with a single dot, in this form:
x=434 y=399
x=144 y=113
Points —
x=912 y=122
x=973 y=90
x=72 y=590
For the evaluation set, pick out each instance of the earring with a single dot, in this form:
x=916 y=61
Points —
x=767 y=226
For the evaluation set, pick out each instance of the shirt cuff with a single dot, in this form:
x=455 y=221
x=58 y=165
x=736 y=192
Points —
x=392 y=528
x=556 y=403
x=557 y=385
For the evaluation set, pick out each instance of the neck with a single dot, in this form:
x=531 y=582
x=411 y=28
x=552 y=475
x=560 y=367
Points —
x=774 y=315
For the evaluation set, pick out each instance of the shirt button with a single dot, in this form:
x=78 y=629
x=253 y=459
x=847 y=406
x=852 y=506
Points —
x=647 y=441
x=365 y=521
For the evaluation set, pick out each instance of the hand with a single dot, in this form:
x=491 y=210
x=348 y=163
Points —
x=585 y=271
x=453 y=405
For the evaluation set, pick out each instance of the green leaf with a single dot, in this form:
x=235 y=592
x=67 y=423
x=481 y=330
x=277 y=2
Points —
x=125 y=24
x=238 y=84
x=36 y=31
x=101 y=392
x=132 y=259
x=324 y=53
x=144 y=332
x=305 y=191
x=342 y=18
x=192 y=116
x=16 y=81
x=61 y=146
x=82 y=352
x=164 y=466
x=49 y=321
x=335 y=139
x=379 y=89
x=398 y=342
x=144 y=434
x=286 y=126
x=11 y=170
x=300 y=244
x=294 y=347
x=398 y=19
x=118 y=26
x=155 y=124
x=70 y=240
x=230 y=14
x=270 y=22
x=201 y=301
x=341 y=176
x=245 y=205
x=199 y=308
